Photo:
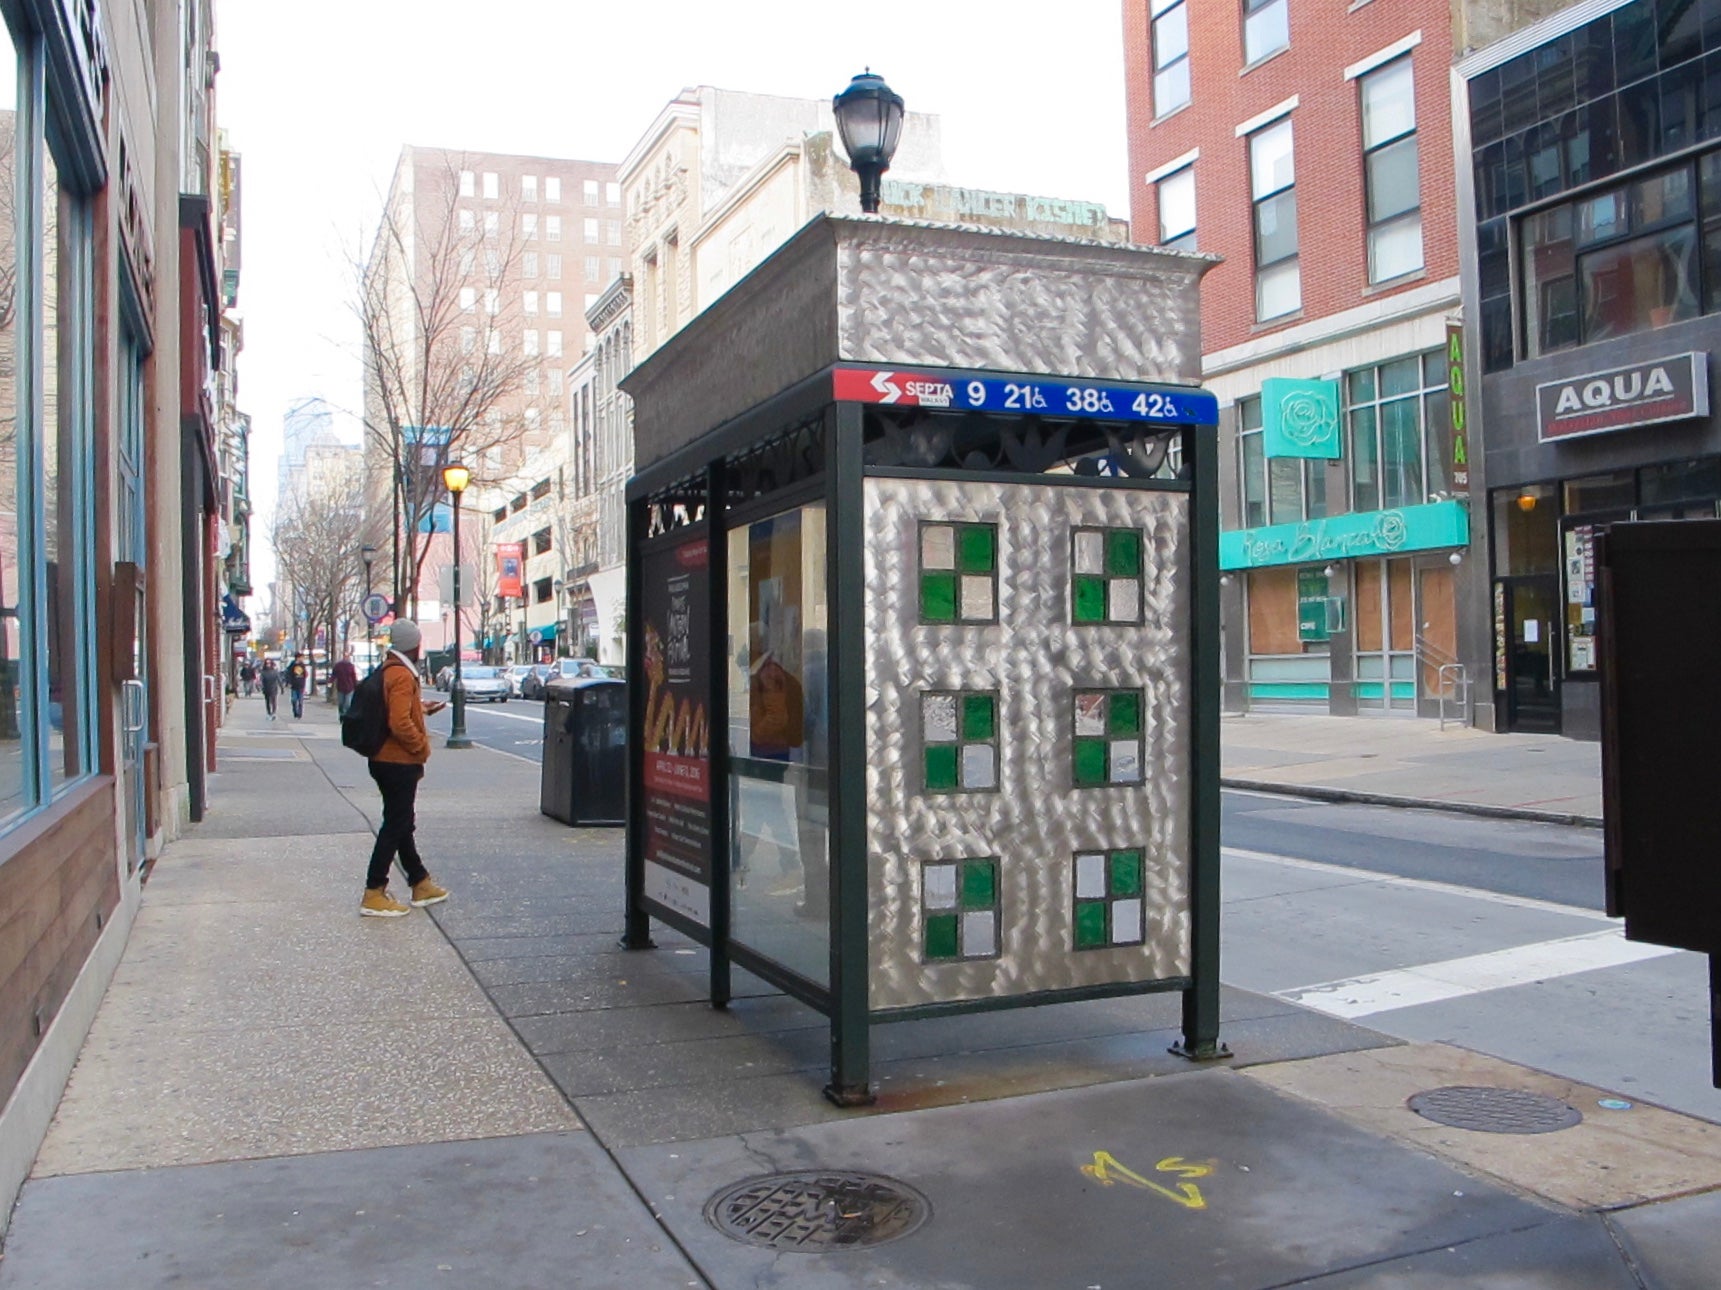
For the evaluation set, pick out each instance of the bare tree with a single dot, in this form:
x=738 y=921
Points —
x=318 y=535
x=443 y=353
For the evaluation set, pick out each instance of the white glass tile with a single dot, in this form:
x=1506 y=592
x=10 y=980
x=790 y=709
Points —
x=1126 y=921
x=979 y=934
x=1090 y=714
x=938 y=547
x=1125 y=761
x=1090 y=876
x=1124 y=595
x=1090 y=552
x=977 y=596
x=978 y=770
x=940 y=880
x=938 y=718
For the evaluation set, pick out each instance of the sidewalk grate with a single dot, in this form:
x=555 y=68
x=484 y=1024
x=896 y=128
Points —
x=1494 y=1110
x=817 y=1211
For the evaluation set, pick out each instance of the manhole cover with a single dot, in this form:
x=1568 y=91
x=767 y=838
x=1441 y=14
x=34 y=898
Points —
x=817 y=1211
x=1495 y=1110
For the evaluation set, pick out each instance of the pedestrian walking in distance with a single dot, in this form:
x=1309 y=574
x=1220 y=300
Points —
x=248 y=675
x=345 y=675
x=270 y=679
x=297 y=677
x=397 y=768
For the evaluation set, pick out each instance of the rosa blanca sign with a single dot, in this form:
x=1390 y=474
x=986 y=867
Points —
x=1342 y=537
x=1300 y=418
x=1661 y=389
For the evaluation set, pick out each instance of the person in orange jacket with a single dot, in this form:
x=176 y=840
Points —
x=397 y=768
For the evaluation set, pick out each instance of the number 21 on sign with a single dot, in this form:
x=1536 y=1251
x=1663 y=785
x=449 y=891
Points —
x=1107 y=1172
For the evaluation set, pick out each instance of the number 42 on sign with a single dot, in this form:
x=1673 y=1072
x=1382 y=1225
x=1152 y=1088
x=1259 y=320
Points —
x=1107 y=1172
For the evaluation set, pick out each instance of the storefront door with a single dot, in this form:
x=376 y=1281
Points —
x=1385 y=637
x=1532 y=695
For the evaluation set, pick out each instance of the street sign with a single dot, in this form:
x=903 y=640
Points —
x=1090 y=401
x=376 y=607
x=445 y=584
x=535 y=636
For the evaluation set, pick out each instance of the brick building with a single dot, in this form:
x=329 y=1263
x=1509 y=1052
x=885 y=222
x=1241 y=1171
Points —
x=1310 y=146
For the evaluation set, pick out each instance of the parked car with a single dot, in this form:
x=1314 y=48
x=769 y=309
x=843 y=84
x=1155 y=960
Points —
x=483 y=684
x=514 y=674
x=445 y=676
x=532 y=680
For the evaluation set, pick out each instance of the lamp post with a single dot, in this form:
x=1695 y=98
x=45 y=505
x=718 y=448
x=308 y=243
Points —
x=455 y=477
x=869 y=120
x=561 y=620
x=367 y=553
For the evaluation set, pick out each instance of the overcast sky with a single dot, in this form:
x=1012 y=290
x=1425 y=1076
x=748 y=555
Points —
x=319 y=97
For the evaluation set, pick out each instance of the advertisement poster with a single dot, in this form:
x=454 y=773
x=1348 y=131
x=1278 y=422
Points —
x=676 y=748
x=776 y=693
x=509 y=558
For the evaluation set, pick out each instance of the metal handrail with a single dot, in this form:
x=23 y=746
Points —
x=1459 y=689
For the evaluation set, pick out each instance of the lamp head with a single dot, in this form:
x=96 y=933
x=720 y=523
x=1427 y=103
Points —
x=455 y=477
x=869 y=122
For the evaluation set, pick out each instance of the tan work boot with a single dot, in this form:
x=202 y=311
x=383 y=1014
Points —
x=426 y=891
x=378 y=902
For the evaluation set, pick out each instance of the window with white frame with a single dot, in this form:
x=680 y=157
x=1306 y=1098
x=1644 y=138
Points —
x=468 y=221
x=553 y=267
x=492 y=301
x=468 y=339
x=1266 y=28
x=468 y=184
x=1170 y=55
x=493 y=343
x=468 y=299
x=552 y=188
x=589 y=191
x=590 y=229
x=492 y=186
x=529 y=341
x=529 y=227
x=528 y=264
x=553 y=343
x=492 y=224
x=1391 y=175
x=1393 y=413
x=553 y=228
x=528 y=188
x=1176 y=195
x=553 y=303
x=1280 y=490
x=1273 y=189
x=612 y=232
x=612 y=194
x=529 y=302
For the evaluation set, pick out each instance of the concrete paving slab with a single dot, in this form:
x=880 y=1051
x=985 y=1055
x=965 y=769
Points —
x=1203 y=1179
x=1612 y=1159
x=1674 y=1243
x=1575 y=1253
x=544 y=1210
x=666 y=1023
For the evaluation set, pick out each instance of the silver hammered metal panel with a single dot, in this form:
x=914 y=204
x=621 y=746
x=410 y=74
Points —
x=1034 y=659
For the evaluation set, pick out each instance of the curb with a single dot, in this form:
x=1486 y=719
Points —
x=1319 y=793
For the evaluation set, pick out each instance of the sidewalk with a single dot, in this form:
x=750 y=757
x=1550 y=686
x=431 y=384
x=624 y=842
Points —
x=1412 y=762
x=278 y=1093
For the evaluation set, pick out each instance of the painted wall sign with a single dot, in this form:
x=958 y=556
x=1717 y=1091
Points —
x=1311 y=605
x=973 y=392
x=1458 y=471
x=1340 y=537
x=510 y=557
x=1300 y=418
x=1661 y=389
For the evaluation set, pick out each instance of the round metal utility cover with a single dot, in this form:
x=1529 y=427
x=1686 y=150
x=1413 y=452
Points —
x=1495 y=1110
x=817 y=1211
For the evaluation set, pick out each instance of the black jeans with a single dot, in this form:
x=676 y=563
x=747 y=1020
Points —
x=399 y=785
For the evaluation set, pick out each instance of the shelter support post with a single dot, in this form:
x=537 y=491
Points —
x=636 y=933
x=717 y=572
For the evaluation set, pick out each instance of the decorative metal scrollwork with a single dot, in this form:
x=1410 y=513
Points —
x=1032 y=445
x=677 y=506
x=796 y=455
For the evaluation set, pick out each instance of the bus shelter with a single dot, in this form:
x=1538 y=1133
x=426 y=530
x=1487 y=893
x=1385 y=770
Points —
x=924 y=632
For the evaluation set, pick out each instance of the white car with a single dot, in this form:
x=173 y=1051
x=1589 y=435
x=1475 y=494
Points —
x=483 y=684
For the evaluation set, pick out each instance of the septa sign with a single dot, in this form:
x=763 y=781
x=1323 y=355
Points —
x=901 y=388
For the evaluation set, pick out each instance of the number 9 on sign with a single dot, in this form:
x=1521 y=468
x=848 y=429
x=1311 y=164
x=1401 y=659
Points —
x=976 y=394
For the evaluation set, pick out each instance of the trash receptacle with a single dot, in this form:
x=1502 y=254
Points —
x=585 y=751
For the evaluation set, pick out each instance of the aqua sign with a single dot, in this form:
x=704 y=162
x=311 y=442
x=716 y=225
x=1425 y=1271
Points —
x=1344 y=537
x=1300 y=418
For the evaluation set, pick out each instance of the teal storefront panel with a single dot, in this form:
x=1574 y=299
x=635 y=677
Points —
x=1342 y=537
x=1302 y=692
x=1300 y=418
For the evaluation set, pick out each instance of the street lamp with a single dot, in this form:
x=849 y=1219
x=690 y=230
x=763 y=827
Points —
x=367 y=553
x=869 y=120
x=561 y=621
x=455 y=477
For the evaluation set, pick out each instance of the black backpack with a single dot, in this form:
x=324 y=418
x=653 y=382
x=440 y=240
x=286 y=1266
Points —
x=364 y=727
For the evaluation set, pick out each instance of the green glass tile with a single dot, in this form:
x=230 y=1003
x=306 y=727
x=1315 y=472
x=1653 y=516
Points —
x=941 y=936
x=1090 y=924
x=978 y=717
x=1090 y=599
x=1126 y=873
x=938 y=597
x=976 y=548
x=941 y=768
x=1125 y=714
x=1123 y=553
x=1090 y=761
x=979 y=884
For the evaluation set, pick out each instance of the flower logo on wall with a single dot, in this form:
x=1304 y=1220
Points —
x=1308 y=420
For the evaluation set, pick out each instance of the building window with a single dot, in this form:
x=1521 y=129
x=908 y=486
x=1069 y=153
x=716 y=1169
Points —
x=552 y=188
x=555 y=380
x=529 y=227
x=530 y=342
x=468 y=221
x=468 y=184
x=529 y=264
x=468 y=299
x=540 y=539
x=492 y=224
x=1391 y=175
x=592 y=269
x=589 y=192
x=1394 y=412
x=1170 y=56
x=612 y=232
x=1283 y=490
x=959 y=741
x=528 y=188
x=959 y=910
x=1629 y=258
x=529 y=302
x=1273 y=179
x=553 y=228
x=468 y=339
x=492 y=186
x=1176 y=194
x=1266 y=28
x=553 y=303
x=553 y=266
x=612 y=193
x=492 y=301
x=590 y=229
x=553 y=343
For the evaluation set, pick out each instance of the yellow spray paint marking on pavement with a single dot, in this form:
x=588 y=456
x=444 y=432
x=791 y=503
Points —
x=1107 y=1171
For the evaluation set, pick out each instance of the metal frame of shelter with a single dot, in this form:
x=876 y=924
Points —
x=806 y=445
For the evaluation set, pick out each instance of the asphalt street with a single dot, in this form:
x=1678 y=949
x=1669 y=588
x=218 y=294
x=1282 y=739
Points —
x=1426 y=925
